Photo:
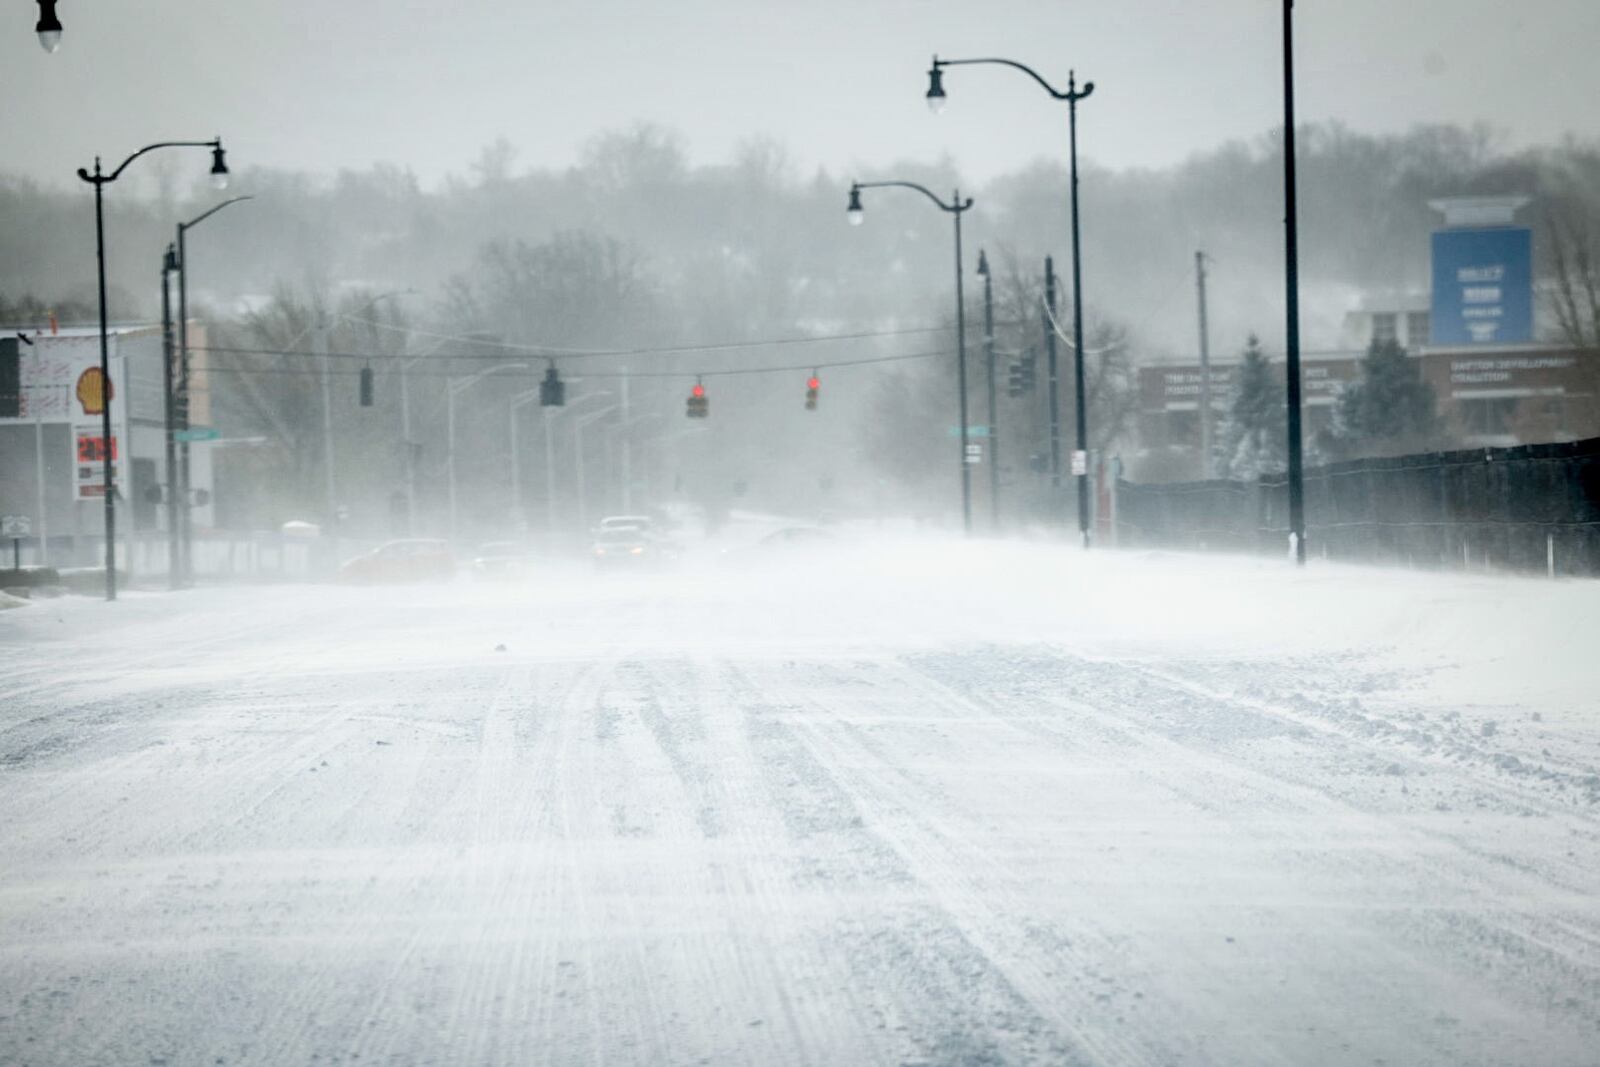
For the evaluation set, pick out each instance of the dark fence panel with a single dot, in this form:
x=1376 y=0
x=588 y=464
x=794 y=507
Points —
x=1530 y=508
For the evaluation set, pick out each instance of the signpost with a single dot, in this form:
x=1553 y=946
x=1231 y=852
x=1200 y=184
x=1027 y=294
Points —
x=1483 y=286
x=16 y=527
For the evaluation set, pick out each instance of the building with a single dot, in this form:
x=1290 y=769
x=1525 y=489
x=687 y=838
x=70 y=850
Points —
x=50 y=440
x=1474 y=336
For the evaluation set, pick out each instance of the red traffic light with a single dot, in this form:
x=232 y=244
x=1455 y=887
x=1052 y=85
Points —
x=813 y=382
x=698 y=390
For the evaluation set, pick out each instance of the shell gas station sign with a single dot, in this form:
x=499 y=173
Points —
x=61 y=382
x=91 y=395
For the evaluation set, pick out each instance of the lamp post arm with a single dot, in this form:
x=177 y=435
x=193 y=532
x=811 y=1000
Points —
x=192 y=223
x=458 y=387
x=1073 y=93
x=98 y=179
x=957 y=207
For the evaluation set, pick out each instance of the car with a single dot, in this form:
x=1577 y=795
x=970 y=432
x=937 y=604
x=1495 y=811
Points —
x=410 y=560
x=500 y=558
x=626 y=522
x=777 y=545
x=626 y=546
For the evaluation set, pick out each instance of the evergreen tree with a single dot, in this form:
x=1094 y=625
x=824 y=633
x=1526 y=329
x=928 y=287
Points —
x=1391 y=409
x=1254 y=436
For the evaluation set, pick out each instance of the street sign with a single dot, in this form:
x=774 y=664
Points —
x=1482 y=286
x=15 y=526
x=197 y=433
x=1080 y=462
x=974 y=453
x=972 y=431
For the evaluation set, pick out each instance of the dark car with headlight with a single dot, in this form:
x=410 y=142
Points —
x=625 y=547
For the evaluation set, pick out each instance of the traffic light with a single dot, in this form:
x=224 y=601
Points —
x=699 y=403
x=1024 y=374
x=10 y=377
x=552 y=391
x=811 y=392
x=366 y=387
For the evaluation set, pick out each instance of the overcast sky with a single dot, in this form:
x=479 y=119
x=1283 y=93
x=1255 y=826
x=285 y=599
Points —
x=426 y=84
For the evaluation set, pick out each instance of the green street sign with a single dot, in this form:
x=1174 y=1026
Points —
x=972 y=431
x=197 y=433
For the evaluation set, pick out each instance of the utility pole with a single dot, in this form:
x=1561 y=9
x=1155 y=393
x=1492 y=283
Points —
x=627 y=449
x=169 y=264
x=1205 y=369
x=961 y=379
x=410 y=451
x=994 y=429
x=1297 y=505
x=1050 y=367
x=549 y=472
x=331 y=505
x=1082 y=456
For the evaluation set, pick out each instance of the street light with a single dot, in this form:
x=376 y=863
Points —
x=453 y=390
x=550 y=416
x=578 y=426
x=100 y=180
x=956 y=207
x=169 y=267
x=48 y=27
x=994 y=413
x=1072 y=95
x=1297 y=502
x=186 y=561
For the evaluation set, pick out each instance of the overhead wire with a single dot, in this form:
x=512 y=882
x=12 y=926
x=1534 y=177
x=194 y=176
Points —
x=648 y=350
x=539 y=372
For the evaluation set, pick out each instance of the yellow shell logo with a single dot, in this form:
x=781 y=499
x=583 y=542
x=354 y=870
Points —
x=93 y=391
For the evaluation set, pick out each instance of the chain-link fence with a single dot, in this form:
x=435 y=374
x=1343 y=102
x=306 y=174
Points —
x=1530 y=508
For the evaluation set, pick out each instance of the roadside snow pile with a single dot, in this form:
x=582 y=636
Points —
x=9 y=601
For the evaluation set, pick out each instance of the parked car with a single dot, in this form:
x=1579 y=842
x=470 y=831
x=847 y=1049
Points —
x=413 y=560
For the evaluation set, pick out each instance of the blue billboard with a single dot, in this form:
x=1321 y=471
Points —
x=1483 y=286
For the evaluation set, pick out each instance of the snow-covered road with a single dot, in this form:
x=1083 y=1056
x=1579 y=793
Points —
x=918 y=802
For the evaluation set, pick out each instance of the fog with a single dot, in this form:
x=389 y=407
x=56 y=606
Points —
x=557 y=603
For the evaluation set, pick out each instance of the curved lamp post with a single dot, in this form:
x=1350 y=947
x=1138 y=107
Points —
x=956 y=207
x=453 y=390
x=99 y=179
x=936 y=101
x=186 y=563
x=48 y=27
x=1291 y=233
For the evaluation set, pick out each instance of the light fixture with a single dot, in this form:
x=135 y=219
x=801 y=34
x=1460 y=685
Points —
x=219 y=168
x=983 y=264
x=936 y=97
x=854 y=212
x=48 y=27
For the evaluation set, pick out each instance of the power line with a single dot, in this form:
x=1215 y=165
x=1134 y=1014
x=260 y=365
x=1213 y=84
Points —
x=532 y=373
x=715 y=346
